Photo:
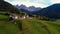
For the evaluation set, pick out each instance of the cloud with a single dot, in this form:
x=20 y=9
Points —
x=27 y=3
x=55 y=1
x=37 y=3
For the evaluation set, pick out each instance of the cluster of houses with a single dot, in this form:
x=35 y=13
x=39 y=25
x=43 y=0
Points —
x=15 y=16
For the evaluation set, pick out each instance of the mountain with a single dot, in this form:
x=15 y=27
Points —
x=5 y=6
x=31 y=8
x=52 y=11
x=21 y=6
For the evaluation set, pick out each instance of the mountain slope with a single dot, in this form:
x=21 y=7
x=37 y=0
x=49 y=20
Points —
x=52 y=11
x=5 y=6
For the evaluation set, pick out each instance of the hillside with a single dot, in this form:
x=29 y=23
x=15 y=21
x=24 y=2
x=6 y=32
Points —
x=29 y=26
x=52 y=11
x=5 y=6
x=35 y=26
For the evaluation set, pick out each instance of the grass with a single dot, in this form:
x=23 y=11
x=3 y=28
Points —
x=37 y=26
x=7 y=27
x=3 y=16
x=30 y=26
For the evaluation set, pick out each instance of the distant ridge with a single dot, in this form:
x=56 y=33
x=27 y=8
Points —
x=52 y=11
x=30 y=8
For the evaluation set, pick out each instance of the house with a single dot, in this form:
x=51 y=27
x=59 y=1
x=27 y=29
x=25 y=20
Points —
x=15 y=16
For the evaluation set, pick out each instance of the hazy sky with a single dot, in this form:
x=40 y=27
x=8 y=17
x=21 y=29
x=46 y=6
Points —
x=37 y=3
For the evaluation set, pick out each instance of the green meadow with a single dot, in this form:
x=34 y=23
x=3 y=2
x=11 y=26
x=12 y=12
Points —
x=29 y=26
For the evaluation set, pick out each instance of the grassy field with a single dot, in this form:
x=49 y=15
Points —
x=30 y=26
x=7 y=27
x=35 y=26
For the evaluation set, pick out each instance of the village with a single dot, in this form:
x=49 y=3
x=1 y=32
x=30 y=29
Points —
x=14 y=16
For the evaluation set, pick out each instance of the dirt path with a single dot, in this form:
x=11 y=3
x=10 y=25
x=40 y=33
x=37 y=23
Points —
x=45 y=27
x=29 y=28
x=23 y=31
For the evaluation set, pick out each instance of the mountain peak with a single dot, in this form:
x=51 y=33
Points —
x=30 y=8
x=22 y=5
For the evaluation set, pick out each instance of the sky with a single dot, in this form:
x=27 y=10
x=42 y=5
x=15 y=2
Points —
x=36 y=3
